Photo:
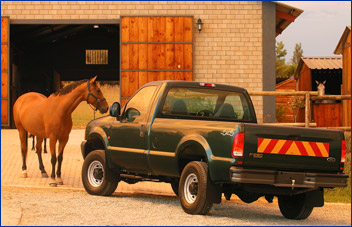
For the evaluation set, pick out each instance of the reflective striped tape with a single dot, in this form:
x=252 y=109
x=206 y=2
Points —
x=293 y=147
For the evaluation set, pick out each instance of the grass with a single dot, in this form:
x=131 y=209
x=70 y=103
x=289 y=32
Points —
x=342 y=195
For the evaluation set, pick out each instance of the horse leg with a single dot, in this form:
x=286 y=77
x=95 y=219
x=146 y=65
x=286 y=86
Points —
x=24 y=146
x=62 y=144
x=39 y=153
x=30 y=135
x=52 y=144
x=45 y=146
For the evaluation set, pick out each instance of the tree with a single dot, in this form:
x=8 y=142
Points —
x=283 y=70
x=280 y=60
x=297 y=54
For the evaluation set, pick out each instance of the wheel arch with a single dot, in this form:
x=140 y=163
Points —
x=192 y=148
x=96 y=140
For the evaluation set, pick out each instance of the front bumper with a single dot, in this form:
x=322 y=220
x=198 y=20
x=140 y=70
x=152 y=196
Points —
x=287 y=179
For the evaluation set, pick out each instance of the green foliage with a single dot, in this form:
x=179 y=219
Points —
x=297 y=54
x=280 y=60
x=281 y=113
x=348 y=142
x=284 y=70
x=298 y=102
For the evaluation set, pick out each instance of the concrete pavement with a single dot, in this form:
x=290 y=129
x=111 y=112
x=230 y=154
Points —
x=11 y=166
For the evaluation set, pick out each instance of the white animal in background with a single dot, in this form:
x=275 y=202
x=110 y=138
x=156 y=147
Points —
x=321 y=88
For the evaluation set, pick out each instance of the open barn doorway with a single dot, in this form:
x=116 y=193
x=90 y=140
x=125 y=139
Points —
x=45 y=57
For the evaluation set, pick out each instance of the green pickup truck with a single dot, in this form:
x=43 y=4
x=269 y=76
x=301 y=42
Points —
x=204 y=140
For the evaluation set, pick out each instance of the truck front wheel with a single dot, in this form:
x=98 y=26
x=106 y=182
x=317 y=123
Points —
x=295 y=207
x=193 y=188
x=97 y=178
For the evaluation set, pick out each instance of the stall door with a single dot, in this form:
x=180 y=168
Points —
x=155 y=48
x=5 y=111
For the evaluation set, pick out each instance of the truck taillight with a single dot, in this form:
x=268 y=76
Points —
x=207 y=85
x=238 y=144
x=343 y=151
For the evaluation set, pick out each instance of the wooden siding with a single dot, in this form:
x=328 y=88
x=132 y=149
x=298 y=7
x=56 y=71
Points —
x=286 y=101
x=346 y=82
x=155 y=48
x=304 y=84
x=305 y=79
x=328 y=115
x=4 y=71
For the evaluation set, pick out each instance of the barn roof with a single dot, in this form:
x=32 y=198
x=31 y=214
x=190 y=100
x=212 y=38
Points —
x=286 y=84
x=343 y=39
x=285 y=15
x=319 y=63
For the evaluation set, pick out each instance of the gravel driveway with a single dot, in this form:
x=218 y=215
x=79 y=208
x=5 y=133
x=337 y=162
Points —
x=56 y=206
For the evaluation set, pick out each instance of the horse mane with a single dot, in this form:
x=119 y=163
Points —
x=67 y=89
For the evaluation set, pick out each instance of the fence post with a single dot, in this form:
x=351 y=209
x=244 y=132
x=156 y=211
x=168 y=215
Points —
x=307 y=110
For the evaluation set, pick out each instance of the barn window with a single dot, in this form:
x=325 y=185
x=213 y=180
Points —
x=97 y=57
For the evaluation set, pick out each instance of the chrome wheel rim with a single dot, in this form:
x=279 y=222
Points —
x=95 y=173
x=191 y=188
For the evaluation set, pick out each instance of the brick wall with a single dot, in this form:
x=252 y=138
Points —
x=228 y=50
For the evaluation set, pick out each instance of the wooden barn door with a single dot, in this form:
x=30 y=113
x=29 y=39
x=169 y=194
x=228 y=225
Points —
x=155 y=48
x=5 y=99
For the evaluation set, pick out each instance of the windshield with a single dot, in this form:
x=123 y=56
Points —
x=206 y=103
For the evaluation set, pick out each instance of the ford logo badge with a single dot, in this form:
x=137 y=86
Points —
x=331 y=159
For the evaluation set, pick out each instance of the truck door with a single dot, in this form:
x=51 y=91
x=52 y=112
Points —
x=128 y=136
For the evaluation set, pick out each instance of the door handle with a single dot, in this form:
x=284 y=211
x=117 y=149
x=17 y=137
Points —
x=141 y=131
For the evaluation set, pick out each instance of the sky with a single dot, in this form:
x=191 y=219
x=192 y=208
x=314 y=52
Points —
x=319 y=28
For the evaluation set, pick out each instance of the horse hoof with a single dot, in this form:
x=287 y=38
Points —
x=24 y=174
x=59 y=181
x=53 y=184
x=45 y=175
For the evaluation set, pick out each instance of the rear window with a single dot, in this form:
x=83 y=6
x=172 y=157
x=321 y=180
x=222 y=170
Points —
x=206 y=103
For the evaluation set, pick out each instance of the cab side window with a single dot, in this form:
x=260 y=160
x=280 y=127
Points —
x=137 y=108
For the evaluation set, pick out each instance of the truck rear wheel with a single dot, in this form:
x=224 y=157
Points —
x=97 y=178
x=295 y=207
x=193 y=188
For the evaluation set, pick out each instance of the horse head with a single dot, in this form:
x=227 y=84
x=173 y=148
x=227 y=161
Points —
x=95 y=97
x=321 y=88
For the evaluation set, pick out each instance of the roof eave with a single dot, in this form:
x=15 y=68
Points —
x=285 y=15
x=342 y=41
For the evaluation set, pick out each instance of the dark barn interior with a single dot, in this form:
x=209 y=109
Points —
x=333 y=78
x=41 y=56
x=44 y=55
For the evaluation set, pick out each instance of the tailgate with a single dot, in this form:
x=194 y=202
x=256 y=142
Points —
x=292 y=148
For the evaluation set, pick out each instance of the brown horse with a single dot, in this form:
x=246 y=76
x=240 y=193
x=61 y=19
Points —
x=51 y=118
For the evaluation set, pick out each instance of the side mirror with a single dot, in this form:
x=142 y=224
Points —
x=115 y=109
x=131 y=114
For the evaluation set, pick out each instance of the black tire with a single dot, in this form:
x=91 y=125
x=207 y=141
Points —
x=97 y=178
x=295 y=207
x=193 y=188
x=174 y=186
